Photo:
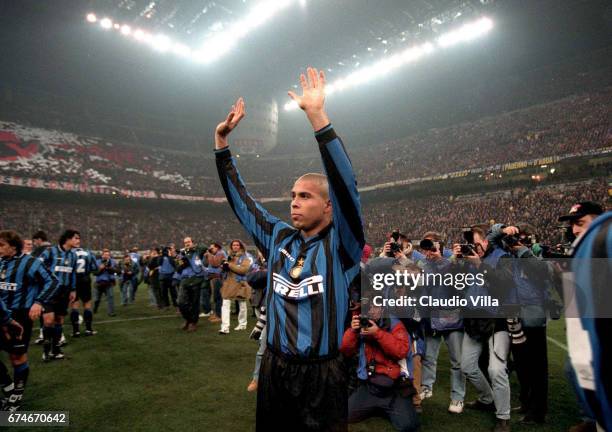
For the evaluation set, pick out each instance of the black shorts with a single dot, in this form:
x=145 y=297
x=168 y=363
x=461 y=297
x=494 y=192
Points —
x=302 y=396
x=60 y=305
x=83 y=290
x=14 y=346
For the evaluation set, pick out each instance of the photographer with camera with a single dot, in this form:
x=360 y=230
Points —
x=235 y=286
x=105 y=281
x=399 y=247
x=129 y=272
x=441 y=324
x=531 y=281
x=380 y=344
x=166 y=270
x=192 y=273
x=483 y=329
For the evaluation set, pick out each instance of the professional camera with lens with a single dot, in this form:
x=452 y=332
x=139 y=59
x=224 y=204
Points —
x=523 y=239
x=181 y=261
x=564 y=239
x=364 y=321
x=467 y=249
x=165 y=251
x=395 y=244
x=430 y=245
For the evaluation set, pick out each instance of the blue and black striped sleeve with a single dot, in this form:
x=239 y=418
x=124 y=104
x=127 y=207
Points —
x=92 y=265
x=47 y=280
x=254 y=218
x=73 y=259
x=45 y=257
x=5 y=313
x=343 y=194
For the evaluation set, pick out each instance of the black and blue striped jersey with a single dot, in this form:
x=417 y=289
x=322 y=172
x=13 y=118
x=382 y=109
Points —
x=307 y=313
x=85 y=263
x=62 y=264
x=25 y=280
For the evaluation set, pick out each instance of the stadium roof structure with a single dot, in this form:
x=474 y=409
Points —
x=205 y=30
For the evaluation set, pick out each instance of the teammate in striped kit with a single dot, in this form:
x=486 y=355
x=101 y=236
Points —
x=85 y=265
x=27 y=288
x=61 y=260
x=8 y=326
x=311 y=263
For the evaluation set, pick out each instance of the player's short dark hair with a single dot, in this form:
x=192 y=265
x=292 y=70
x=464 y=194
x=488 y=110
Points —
x=40 y=235
x=13 y=239
x=68 y=234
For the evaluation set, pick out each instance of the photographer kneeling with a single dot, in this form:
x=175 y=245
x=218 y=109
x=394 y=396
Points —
x=381 y=343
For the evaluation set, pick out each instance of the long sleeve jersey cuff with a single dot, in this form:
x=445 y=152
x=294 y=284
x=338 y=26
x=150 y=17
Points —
x=223 y=153
x=325 y=135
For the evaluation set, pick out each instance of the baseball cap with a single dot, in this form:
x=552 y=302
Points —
x=582 y=209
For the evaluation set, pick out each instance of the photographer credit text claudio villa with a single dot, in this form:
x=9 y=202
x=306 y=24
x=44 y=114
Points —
x=411 y=280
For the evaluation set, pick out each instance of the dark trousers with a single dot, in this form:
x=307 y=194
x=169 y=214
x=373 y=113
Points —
x=215 y=285
x=399 y=410
x=189 y=298
x=166 y=287
x=301 y=396
x=134 y=282
x=155 y=285
x=205 y=296
x=531 y=363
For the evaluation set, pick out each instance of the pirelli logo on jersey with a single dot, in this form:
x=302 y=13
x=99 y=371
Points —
x=62 y=269
x=8 y=286
x=306 y=288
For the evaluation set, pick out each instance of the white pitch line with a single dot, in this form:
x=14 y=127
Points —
x=556 y=342
x=136 y=319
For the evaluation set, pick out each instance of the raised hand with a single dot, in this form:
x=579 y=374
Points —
x=225 y=127
x=312 y=99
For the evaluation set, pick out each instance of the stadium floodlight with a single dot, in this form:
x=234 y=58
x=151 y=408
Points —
x=106 y=23
x=181 y=50
x=222 y=42
x=161 y=42
x=138 y=34
x=387 y=65
x=466 y=32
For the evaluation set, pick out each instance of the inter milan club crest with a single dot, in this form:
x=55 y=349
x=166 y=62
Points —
x=296 y=271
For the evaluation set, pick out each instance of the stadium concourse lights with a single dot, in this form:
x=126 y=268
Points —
x=382 y=67
x=215 y=46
